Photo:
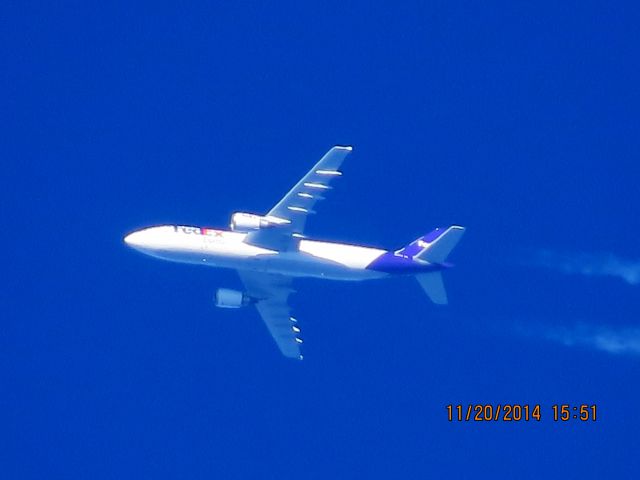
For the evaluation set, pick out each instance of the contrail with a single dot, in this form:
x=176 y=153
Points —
x=613 y=340
x=603 y=264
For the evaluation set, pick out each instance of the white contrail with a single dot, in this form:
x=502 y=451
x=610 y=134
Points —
x=614 y=340
x=603 y=264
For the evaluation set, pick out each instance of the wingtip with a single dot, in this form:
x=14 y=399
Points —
x=348 y=148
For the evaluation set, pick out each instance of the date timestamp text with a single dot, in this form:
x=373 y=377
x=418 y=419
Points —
x=514 y=412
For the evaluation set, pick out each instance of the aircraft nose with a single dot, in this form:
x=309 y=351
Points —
x=133 y=239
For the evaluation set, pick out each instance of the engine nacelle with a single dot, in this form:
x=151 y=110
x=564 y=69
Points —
x=227 y=298
x=247 y=222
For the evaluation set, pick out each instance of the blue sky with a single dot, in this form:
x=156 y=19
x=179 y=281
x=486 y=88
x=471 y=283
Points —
x=518 y=120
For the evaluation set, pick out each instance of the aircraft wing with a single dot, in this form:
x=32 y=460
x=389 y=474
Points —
x=272 y=292
x=296 y=205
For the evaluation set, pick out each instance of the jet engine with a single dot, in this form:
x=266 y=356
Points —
x=246 y=222
x=226 y=298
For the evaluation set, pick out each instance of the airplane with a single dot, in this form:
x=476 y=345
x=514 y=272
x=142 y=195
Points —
x=270 y=251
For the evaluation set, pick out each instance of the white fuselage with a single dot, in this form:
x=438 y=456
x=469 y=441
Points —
x=226 y=249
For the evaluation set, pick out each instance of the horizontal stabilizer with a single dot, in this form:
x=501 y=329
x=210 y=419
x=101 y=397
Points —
x=433 y=286
x=439 y=243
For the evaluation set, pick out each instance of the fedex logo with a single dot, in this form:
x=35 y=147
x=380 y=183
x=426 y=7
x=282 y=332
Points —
x=197 y=230
x=188 y=230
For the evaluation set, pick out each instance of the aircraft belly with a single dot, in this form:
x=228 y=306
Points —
x=300 y=265
x=241 y=256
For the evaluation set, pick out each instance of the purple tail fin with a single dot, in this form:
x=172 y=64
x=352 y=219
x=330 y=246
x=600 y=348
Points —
x=434 y=246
